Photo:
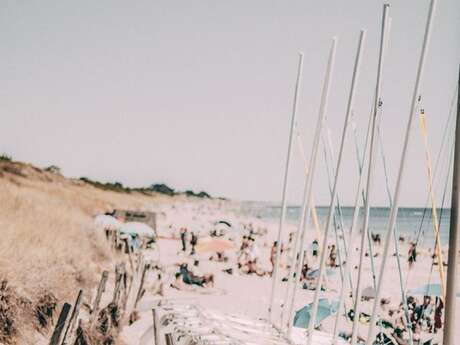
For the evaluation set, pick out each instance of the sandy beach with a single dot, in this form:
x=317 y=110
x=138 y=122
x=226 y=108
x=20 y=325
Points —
x=248 y=294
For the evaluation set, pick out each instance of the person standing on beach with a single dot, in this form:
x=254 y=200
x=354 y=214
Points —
x=333 y=257
x=193 y=242
x=315 y=248
x=183 y=238
x=253 y=257
x=273 y=255
x=412 y=254
x=438 y=314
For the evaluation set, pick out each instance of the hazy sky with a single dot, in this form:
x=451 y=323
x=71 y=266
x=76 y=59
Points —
x=198 y=94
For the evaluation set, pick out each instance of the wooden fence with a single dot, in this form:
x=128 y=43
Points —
x=75 y=324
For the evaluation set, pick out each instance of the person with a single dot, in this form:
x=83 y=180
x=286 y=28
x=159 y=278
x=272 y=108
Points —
x=183 y=238
x=315 y=248
x=242 y=255
x=438 y=314
x=412 y=254
x=333 y=256
x=304 y=272
x=219 y=257
x=273 y=255
x=190 y=279
x=253 y=257
x=376 y=238
x=193 y=242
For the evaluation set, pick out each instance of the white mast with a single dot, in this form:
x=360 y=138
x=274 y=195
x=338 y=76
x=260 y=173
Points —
x=375 y=118
x=449 y=320
x=351 y=97
x=394 y=210
x=354 y=223
x=285 y=185
x=308 y=190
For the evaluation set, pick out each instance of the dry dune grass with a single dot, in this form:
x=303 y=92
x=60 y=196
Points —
x=48 y=243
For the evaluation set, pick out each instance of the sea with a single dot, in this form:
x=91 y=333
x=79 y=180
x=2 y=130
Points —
x=412 y=222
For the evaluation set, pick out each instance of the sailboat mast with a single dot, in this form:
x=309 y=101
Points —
x=370 y=171
x=308 y=190
x=285 y=186
x=354 y=82
x=449 y=320
x=354 y=223
x=394 y=210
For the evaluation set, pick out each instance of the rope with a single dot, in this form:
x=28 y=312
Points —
x=446 y=135
x=360 y=167
x=398 y=259
x=339 y=211
x=438 y=252
x=314 y=213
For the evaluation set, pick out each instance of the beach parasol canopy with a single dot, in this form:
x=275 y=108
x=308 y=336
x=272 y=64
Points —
x=137 y=228
x=107 y=222
x=315 y=273
x=428 y=290
x=325 y=309
x=224 y=222
x=214 y=245
x=368 y=293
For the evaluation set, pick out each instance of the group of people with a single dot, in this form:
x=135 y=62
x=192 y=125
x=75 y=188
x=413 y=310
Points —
x=184 y=234
x=423 y=317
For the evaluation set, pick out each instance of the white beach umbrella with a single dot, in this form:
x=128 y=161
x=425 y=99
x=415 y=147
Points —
x=107 y=222
x=137 y=228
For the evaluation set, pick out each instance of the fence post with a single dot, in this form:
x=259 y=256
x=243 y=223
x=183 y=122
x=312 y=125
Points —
x=56 y=337
x=118 y=281
x=156 y=327
x=141 y=285
x=100 y=291
x=73 y=318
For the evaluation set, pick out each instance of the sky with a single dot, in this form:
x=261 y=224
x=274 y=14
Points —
x=198 y=94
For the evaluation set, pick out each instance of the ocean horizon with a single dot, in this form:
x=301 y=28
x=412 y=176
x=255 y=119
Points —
x=411 y=223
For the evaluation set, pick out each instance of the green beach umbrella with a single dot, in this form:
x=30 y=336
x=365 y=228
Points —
x=428 y=290
x=325 y=309
x=315 y=273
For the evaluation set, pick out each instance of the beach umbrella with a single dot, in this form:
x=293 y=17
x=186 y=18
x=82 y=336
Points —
x=428 y=290
x=368 y=293
x=315 y=273
x=137 y=228
x=325 y=309
x=224 y=222
x=214 y=245
x=107 y=222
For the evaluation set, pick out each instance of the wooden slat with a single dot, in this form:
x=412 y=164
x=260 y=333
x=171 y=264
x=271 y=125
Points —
x=73 y=319
x=141 y=285
x=100 y=291
x=56 y=337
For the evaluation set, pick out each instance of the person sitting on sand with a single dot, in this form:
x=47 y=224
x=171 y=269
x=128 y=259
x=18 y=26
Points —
x=219 y=257
x=190 y=279
x=178 y=282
